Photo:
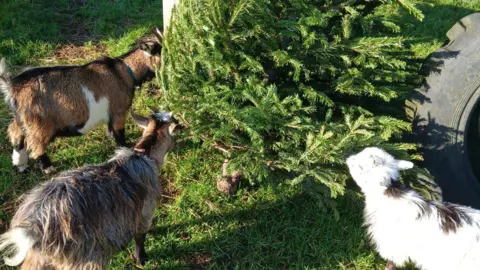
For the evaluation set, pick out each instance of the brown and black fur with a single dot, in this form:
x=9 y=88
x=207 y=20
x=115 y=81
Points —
x=81 y=218
x=450 y=216
x=48 y=102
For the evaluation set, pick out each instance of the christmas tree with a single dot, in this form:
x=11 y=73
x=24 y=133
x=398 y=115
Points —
x=289 y=88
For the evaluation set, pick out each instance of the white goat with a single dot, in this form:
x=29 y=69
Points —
x=404 y=225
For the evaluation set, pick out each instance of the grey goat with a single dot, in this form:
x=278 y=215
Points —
x=81 y=218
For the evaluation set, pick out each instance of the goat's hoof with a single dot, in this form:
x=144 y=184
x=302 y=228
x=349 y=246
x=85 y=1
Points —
x=140 y=262
x=49 y=170
x=22 y=168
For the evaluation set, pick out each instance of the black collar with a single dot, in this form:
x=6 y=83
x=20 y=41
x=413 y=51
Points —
x=130 y=71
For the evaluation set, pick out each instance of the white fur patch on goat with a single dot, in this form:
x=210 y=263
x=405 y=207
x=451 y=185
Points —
x=402 y=230
x=122 y=153
x=5 y=82
x=19 y=243
x=403 y=225
x=20 y=159
x=97 y=111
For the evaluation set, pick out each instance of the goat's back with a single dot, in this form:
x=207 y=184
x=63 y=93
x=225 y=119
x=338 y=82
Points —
x=90 y=213
x=434 y=235
x=51 y=93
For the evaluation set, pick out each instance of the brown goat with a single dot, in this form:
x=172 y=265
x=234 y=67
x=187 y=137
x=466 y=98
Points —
x=81 y=218
x=61 y=101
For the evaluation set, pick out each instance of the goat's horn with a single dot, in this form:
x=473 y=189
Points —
x=158 y=34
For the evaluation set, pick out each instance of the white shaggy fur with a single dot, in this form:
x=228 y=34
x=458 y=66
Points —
x=5 y=81
x=20 y=159
x=97 y=111
x=19 y=243
x=3 y=66
x=403 y=225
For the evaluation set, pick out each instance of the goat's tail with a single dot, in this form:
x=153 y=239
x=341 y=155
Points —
x=15 y=244
x=5 y=86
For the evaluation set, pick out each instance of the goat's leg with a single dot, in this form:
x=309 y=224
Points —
x=35 y=261
x=117 y=127
x=119 y=136
x=45 y=164
x=37 y=143
x=390 y=266
x=17 y=139
x=110 y=130
x=140 y=254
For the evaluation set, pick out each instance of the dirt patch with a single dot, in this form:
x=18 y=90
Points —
x=73 y=53
x=75 y=29
x=184 y=236
x=76 y=33
x=198 y=261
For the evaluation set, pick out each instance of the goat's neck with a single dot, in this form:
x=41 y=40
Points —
x=137 y=62
x=376 y=196
x=158 y=161
x=158 y=156
x=382 y=207
x=374 y=192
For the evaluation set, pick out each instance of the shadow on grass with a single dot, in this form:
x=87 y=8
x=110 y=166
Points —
x=292 y=232
x=31 y=29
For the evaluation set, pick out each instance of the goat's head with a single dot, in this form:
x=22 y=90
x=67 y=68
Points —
x=151 y=46
x=158 y=136
x=374 y=167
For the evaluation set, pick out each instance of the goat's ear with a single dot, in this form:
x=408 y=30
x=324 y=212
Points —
x=139 y=149
x=141 y=121
x=151 y=48
x=404 y=165
x=172 y=129
x=145 y=144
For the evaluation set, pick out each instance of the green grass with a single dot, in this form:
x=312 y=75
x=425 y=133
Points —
x=266 y=226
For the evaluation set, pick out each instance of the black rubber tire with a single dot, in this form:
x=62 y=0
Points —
x=444 y=111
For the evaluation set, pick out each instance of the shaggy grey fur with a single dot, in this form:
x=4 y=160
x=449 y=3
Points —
x=101 y=205
x=81 y=218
